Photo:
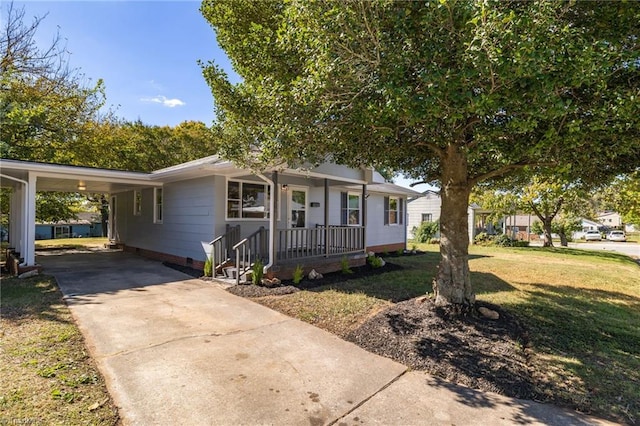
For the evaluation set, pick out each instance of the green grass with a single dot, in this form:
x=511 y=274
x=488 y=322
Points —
x=72 y=242
x=47 y=375
x=582 y=309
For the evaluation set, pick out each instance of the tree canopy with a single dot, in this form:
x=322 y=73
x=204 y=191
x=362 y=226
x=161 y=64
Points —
x=448 y=92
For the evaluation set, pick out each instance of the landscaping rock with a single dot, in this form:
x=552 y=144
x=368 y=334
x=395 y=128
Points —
x=313 y=275
x=488 y=313
x=29 y=274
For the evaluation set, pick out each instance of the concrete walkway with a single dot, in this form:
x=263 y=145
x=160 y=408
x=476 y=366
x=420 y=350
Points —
x=182 y=351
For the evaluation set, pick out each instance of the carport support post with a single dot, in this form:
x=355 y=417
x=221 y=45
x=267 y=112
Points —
x=30 y=225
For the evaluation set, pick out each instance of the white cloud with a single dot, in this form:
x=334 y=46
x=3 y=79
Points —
x=170 y=103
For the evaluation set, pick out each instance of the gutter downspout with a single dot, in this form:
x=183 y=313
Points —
x=272 y=220
x=25 y=214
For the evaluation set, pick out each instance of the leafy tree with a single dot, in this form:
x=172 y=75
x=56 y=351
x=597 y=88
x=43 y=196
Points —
x=451 y=92
x=623 y=197
x=561 y=225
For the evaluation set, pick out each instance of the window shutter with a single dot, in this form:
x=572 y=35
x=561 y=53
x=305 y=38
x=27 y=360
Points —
x=344 y=200
x=386 y=210
x=401 y=202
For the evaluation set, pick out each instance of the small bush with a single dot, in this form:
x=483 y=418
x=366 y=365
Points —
x=208 y=267
x=298 y=274
x=344 y=266
x=400 y=252
x=375 y=262
x=481 y=238
x=425 y=231
x=257 y=272
x=503 y=241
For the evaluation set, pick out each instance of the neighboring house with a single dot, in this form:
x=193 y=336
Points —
x=86 y=225
x=587 y=225
x=285 y=217
x=426 y=207
x=518 y=226
x=610 y=219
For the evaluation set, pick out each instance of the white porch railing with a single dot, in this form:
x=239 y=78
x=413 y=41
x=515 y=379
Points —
x=299 y=243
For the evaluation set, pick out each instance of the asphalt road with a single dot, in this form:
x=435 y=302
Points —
x=630 y=249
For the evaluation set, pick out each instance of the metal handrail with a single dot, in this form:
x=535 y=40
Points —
x=220 y=247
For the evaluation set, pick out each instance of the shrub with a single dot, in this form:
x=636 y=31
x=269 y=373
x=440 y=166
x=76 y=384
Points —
x=503 y=241
x=298 y=274
x=344 y=266
x=481 y=238
x=425 y=232
x=257 y=271
x=400 y=252
x=375 y=262
x=208 y=267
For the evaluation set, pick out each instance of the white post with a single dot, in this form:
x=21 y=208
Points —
x=16 y=217
x=30 y=221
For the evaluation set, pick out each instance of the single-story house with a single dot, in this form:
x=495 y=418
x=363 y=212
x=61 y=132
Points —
x=87 y=224
x=518 y=226
x=426 y=207
x=211 y=208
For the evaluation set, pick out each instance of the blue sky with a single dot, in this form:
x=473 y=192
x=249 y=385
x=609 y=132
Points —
x=146 y=52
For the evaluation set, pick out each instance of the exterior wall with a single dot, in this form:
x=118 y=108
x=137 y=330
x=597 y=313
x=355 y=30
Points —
x=46 y=232
x=188 y=218
x=429 y=203
x=377 y=233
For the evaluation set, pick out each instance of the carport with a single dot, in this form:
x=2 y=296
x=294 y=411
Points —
x=26 y=178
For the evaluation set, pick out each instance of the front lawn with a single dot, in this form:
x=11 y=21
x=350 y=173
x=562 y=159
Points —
x=581 y=310
x=47 y=374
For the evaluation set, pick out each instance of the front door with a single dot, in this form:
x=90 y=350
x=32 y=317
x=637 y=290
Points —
x=297 y=208
x=297 y=218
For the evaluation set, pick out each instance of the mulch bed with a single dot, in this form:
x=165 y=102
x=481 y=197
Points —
x=466 y=348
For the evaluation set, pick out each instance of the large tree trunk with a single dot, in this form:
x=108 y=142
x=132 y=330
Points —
x=452 y=283
x=546 y=226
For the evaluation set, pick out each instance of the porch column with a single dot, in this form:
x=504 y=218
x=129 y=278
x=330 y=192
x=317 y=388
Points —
x=364 y=217
x=273 y=221
x=326 y=217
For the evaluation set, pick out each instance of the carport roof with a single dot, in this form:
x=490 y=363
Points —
x=57 y=177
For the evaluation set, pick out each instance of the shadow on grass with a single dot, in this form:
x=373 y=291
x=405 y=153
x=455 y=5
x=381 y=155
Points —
x=595 y=254
x=593 y=340
x=37 y=297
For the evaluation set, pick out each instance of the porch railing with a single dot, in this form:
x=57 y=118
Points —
x=250 y=250
x=326 y=241
x=221 y=248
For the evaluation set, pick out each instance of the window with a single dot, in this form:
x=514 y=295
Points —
x=247 y=200
x=427 y=217
x=137 y=203
x=62 y=232
x=157 y=202
x=350 y=206
x=393 y=210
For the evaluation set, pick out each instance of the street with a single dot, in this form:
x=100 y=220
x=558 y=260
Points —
x=630 y=249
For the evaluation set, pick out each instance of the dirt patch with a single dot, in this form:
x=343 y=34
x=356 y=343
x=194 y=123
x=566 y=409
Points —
x=467 y=348
x=250 y=290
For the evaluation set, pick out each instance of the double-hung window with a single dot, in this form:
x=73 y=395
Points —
x=427 y=217
x=393 y=210
x=247 y=200
x=157 y=204
x=350 y=209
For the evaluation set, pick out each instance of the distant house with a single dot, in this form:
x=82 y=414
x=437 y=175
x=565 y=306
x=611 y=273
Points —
x=426 y=207
x=587 y=225
x=519 y=226
x=610 y=219
x=86 y=225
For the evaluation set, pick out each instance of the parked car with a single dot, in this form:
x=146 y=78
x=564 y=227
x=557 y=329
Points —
x=617 y=236
x=592 y=236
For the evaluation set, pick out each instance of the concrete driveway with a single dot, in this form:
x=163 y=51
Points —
x=182 y=351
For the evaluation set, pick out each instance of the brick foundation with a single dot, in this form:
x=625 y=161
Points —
x=389 y=248
x=164 y=257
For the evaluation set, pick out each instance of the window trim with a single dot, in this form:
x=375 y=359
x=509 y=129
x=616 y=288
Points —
x=422 y=215
x=396 y=210
x=137 y=202
x=400 y=211
x=61 y=227
x=246 y=219
x=158 y=207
